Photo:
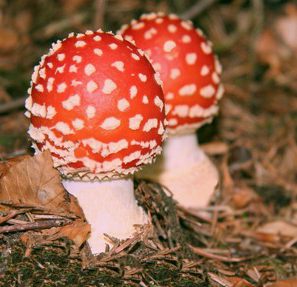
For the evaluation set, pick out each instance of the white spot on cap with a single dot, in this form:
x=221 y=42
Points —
x=123 y=104
x=63 y=128
x=220 y=92
x=60 y=69
x=61 y=88
x=191 y=58
x=78 y=124
x=204 y=70
x=187 y=90
x=158 y=78
x=119 y=65
x=150 y=33
x=98 y=52
x=134 y=122
x=109 y=86
x=80 y=44
x=91 y=86
x=161 y=129
x=50 y=65
x=215 y=78
x=42 y=73
x=71 y=102
x=181 y=110
x=157 y=67
x=73 y=69
x=28 y=103
x=75 y=83
x=133 y=92
x=77 y=59
x=173 y=16
x=49 y=85
x=174 y=73
x=137 y=26
x=159 y=20
x=61 y=57
x=167 y=109
x=90 y=111
x=159 y=103
x=113 y=46
x=50 y=112
x=169 y=46
x=110 y=123
x=133 y=156
x=39 y=88
x=169 y=96
x=206 y=48
x=172 y=28
x=38 y=110
x=89 y=69
x=135 y=57
x=186 y=39
x=142 y=77
x=145 y=100
x=150 y=124
x=218 y=66
x=207 y=91
x=172 y=122
x=186 y=25
x=97 y=38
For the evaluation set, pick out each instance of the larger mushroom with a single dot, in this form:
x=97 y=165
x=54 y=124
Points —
x=191 y=76
x=88 y=104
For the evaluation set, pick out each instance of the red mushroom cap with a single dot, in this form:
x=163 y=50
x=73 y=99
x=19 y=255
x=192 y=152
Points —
x=96 y=103
x=188 y=68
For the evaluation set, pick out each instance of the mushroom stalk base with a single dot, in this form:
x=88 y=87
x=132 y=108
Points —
x=109 y=207
x=185 y=170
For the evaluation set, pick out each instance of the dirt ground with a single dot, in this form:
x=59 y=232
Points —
x=248 y=235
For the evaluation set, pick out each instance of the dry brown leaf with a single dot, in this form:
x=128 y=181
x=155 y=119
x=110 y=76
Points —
x=77 y=231
x=8 y=39
x=243 y=196
x=279 y=228
x=239 y=282
x=284 y=283
x=32 y=181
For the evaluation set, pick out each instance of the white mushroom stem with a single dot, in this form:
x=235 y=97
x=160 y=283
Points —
x=109 y=207
x=185 y=170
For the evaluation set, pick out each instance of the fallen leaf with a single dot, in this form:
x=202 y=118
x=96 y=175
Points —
x=8 y=39
x=281 y=228
x=284 y=283
x=32 y=181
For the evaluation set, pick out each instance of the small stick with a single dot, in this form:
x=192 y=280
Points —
x=12 y=105
x=197 y=9
x=203 y=253
x=99 y=13
x=34 y=225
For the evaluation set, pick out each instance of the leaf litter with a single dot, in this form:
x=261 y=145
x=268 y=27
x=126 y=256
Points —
x=246 y=237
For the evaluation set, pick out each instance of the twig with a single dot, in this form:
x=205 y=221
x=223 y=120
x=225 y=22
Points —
x=203 y=253
x=13 y=105
x=99 y=13
x=197 y=9
x=34 y=225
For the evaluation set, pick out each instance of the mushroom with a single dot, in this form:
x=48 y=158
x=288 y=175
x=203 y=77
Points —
x=88 y=105
x=191 y=74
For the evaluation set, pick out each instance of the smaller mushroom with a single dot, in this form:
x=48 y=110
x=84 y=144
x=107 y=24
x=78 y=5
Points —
x=88 y=106
x=191 y=74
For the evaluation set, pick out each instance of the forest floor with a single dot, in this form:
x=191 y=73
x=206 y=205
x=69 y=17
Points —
x=246 y=237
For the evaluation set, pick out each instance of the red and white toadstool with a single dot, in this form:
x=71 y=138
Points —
x=191 y=76
x=88 y=105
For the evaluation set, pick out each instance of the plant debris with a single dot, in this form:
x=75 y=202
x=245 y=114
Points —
x=246 y=237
